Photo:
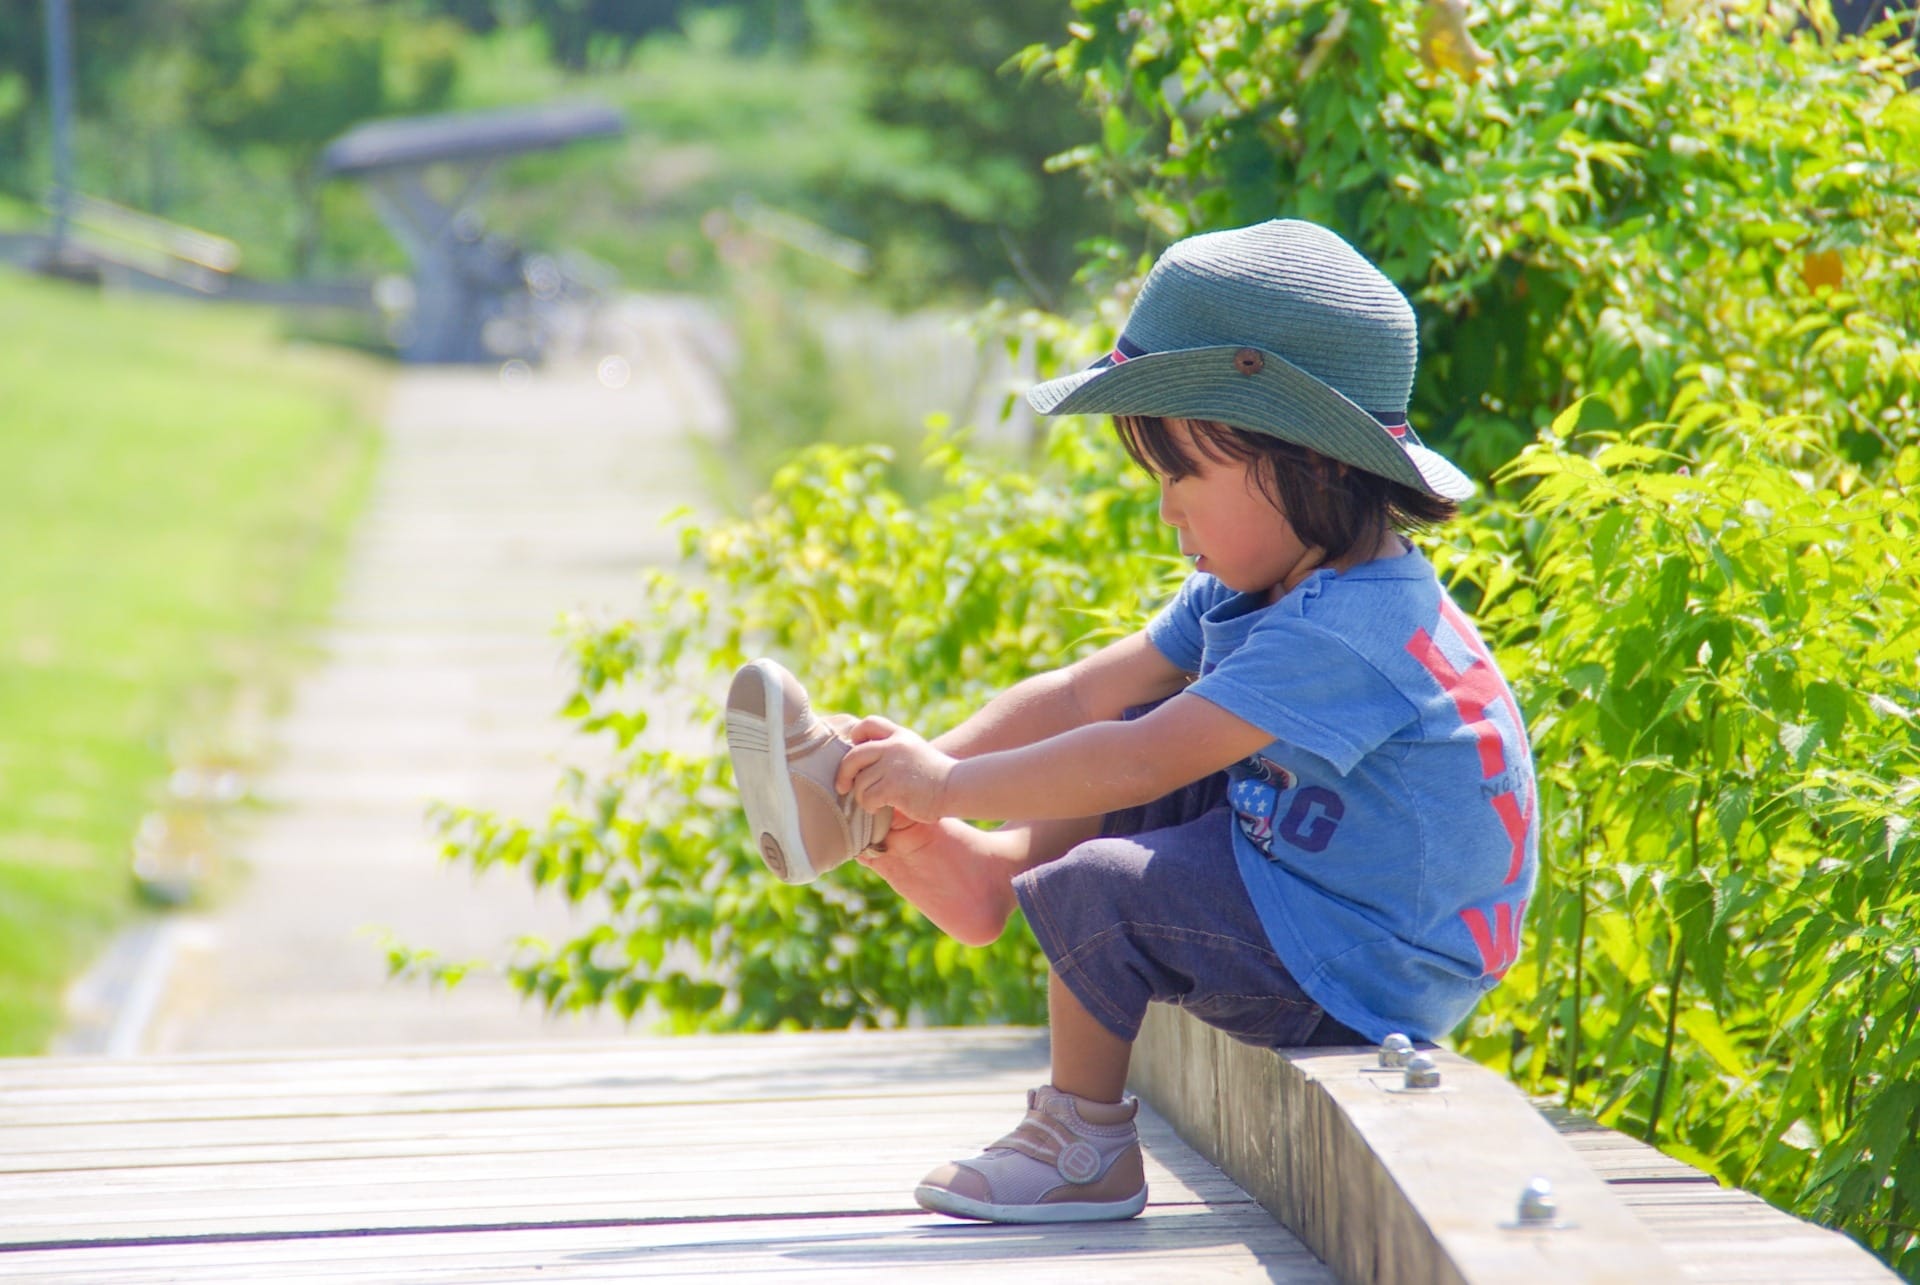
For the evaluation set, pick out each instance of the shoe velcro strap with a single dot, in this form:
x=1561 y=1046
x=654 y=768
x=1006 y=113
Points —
x=1037 y=1138
x=809 y=738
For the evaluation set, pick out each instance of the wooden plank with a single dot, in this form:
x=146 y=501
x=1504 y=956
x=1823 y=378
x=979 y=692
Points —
x=679 y=1092
x=322 y=1168
x=1721 y=1234
x=1620 y=1159
x=27 y=1146
x=1716 y=1233
x=533 y=1136
x=1185 y=1244
x=644 y=1182
x=896 y=1057
x=1385 y=1185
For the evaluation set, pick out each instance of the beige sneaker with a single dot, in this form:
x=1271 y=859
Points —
x=784 y=760
x=1056 y=1167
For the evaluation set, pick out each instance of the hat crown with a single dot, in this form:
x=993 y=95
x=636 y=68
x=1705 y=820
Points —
x=1291 y=288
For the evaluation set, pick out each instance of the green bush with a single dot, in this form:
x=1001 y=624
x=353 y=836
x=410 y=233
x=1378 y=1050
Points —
x=922 y=613
x=1719 y=654
x=1616 y=195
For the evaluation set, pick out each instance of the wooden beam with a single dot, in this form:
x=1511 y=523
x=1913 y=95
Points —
x=1387 y=1185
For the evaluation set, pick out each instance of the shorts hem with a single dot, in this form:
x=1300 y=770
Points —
x=1060 y=958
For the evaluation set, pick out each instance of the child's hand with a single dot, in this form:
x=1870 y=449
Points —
x=891 y=767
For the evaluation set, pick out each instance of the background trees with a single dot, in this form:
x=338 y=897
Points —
x=919 y=145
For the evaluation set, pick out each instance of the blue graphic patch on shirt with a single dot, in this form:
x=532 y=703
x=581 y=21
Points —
x=1311 y=816
x=1253 y=802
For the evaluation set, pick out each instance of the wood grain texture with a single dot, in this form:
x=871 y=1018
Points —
x=1392 y=1186
x=786 y=1156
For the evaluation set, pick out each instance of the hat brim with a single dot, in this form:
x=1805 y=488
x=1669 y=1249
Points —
x=1279 y=399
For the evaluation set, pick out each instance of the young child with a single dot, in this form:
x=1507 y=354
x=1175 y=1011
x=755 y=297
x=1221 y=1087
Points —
x=1298 y=804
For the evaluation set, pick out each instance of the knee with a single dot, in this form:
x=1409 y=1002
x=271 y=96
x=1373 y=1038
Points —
x=1089 y=872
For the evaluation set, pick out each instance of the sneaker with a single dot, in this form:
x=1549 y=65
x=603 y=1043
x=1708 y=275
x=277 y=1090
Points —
x=1056 y=1167
x=784 y=760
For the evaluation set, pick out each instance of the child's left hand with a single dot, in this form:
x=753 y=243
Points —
x=891 y=767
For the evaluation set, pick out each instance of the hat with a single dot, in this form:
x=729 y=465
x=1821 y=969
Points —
x=1279 y=328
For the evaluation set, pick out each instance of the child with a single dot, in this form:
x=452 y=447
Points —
x=1298 y=804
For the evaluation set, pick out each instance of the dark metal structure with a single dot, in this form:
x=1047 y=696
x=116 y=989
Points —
x=473 y=293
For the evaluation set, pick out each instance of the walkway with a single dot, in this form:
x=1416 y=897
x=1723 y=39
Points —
x=499 y=504
x=698 y=1158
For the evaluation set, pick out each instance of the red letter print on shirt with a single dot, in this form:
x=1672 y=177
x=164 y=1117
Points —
x=1475 y=692
x=1498 y=942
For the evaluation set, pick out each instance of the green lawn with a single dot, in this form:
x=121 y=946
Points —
x=175 y=485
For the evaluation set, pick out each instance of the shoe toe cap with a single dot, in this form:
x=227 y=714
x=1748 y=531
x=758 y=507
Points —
x=959 y=1180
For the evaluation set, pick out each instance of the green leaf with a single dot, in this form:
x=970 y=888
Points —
x=1705 y=1030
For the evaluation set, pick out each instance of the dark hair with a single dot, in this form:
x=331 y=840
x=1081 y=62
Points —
x=1330 y=505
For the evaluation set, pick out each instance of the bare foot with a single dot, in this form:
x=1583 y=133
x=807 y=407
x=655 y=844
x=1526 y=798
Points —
x=958 y=876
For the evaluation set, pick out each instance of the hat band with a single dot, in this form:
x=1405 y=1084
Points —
x=1395 y=422
x=1123 y=350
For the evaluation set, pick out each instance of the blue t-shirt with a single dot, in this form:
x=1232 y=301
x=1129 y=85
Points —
x=1388 y=836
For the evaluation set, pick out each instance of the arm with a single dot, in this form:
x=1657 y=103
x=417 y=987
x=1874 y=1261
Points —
x=1100 y=687
x=1086 y=771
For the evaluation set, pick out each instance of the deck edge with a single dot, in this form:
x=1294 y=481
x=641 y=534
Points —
x=1386 y=1185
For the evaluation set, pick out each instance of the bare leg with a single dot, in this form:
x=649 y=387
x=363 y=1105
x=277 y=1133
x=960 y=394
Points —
x=1089 y=1061
x=961 y=877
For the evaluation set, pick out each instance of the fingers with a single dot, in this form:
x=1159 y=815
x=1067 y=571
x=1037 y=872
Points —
x=869 y=788
x=871 y=728
x=869 y=737
x=857 y=760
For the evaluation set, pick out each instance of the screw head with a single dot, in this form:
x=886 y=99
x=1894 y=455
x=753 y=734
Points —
x=1537 y=1205
x=1422 y=1072
x=1395 y=1050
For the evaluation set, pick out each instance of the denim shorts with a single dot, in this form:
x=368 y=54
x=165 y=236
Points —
x=1154 y=909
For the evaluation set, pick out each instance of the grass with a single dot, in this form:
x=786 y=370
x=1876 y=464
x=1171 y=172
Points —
x=175 y=484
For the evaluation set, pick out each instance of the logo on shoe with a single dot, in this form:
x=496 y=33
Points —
x=1079 y=1162
x=770 y=853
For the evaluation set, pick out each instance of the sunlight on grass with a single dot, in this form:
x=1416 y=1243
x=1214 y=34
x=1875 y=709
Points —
x=175 y=483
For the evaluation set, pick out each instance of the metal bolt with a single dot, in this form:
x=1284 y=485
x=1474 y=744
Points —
x=1537 y=1206
x=1395 y=1050
x=1422 y=1072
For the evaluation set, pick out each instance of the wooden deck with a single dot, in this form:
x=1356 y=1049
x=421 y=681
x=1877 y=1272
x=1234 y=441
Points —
x=753 y=1156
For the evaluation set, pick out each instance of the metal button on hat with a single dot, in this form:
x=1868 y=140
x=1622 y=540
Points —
x=1248 y=361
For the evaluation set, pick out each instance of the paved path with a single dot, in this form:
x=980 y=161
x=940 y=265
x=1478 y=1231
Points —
x=499 y=504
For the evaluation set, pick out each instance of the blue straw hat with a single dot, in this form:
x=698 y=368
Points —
x=1280 y=328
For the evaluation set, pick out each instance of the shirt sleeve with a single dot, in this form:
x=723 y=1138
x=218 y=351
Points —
x=1175 y=632
x=1308 y=687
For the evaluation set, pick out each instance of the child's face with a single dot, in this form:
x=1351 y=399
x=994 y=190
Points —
x=1229 y=527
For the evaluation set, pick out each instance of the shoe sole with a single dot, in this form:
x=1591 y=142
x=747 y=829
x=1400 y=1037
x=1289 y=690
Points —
x=941 y=1201
x=757 y=743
